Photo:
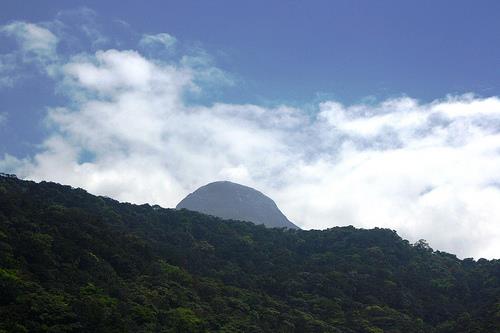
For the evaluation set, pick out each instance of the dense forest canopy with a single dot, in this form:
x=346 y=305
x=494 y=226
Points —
x=74 y=262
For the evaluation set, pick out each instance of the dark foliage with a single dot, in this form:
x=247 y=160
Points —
x=73 y=262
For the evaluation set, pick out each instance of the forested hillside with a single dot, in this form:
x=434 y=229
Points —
x=74 y=262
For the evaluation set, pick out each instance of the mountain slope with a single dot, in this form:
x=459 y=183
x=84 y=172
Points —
x=73 y=262
x=229 y=200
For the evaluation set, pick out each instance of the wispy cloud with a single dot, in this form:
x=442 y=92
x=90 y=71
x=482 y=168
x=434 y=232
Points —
x=34 y=40
x=37 y=47
x=8 y=66
x=77 y=24
x=427 y=170
x=163 y=40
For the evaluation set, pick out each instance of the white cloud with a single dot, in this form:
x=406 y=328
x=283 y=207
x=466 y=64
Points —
x=110 y=70
x=33 y=39
x=426 y=170
x=163 y=40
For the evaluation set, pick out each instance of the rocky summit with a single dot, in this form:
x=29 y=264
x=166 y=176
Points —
x=229 y=200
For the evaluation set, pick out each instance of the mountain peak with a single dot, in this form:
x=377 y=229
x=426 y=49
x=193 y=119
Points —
x=234 y=201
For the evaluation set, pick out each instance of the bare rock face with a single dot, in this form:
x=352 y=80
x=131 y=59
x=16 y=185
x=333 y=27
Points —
x=229 y=200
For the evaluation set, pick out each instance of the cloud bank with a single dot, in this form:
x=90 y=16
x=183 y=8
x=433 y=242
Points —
x=427 y=170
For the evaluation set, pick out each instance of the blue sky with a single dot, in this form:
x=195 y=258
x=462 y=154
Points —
x=299 y=52
x=370 y=113
x=295 y=50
